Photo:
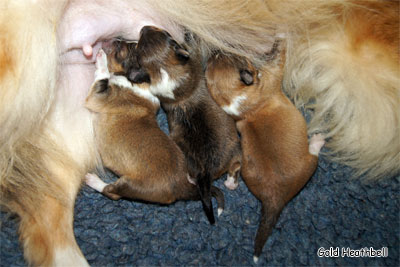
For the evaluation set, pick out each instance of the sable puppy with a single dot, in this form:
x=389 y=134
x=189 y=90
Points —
x=150 y=165
x=205 y=134
x=277 y=160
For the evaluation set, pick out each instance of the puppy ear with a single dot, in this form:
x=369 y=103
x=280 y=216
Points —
x=182 y=54
x=139 y=76
x=246 y=77
x=101 y=86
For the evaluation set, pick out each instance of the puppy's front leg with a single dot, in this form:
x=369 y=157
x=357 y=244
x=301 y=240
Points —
x=102 y=72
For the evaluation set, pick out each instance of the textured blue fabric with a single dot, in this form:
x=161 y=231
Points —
x=333 y=210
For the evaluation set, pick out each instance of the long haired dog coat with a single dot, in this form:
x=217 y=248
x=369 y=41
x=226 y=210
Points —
x=342 y=64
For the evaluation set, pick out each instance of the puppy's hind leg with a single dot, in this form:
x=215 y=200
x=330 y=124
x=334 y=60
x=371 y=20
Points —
x=219 y=196
x=97 y=184
x=135 y=189
x=269 y=216
x=316 y=143
x=232 y=181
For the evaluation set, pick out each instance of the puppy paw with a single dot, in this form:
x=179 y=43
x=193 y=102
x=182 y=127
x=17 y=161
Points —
x=219 y=211
x=230 y=183
x=317 y=141
x=101 y=66
x=255 y=259
x=93 y=181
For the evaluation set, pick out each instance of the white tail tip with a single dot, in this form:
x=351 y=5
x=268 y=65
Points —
x=255 y=259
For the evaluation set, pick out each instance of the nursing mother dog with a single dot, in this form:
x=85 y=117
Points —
x=342 y=58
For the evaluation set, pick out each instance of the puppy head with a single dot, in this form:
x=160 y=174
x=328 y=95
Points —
x=99 y=95
x=167 y=62
x=122 y=60
x=238 y=86
x=233 y=82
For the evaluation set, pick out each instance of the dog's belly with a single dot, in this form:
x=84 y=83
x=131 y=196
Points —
x=89 y=23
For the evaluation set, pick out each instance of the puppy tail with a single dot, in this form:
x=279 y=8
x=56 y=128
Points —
x=204 y=189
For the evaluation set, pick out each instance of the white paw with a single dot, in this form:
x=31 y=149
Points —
x=230 y=183
x=219 y=211
x=317 y=141
x=101 y=66
x=255 y=259
x=95 y=182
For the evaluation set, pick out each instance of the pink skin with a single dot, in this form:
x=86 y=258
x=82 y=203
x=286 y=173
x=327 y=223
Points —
x=84 y=27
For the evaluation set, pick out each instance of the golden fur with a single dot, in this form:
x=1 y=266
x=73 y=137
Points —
x=342 y=63
x=342 y=56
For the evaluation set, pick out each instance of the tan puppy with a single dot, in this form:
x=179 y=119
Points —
x=150 y=165
x=277 y=160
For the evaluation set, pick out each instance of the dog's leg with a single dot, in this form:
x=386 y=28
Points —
x=131 y=188
x=219 y=196
x=46 y=230
x=47 y=236
x=232 y=181
x=97 y=184
x=269 y=216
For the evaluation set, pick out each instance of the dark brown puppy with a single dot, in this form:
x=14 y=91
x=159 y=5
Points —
x=277 y=160
x=206 y=135
x=150 y=165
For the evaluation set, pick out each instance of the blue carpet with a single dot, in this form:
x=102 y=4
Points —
x=333 y=210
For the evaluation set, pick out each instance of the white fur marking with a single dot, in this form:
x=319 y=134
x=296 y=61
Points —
x=101 y=72
x=316 y=143
x=165 y=87
x=69 y=257
x=219 y=211
x=233 y=108
x=122 y=81
x=95 y=182
x=191 y=180
x=230 y=183
x=255 y=259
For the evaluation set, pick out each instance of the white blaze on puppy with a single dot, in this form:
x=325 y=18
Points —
x=233 y=108
x=122 y=81
x=165 y=87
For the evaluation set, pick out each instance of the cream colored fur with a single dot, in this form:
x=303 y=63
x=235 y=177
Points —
x=352 y=91
x=46 y=138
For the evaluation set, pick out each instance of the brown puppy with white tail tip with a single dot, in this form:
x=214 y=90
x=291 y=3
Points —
x=150 y=165
x=277 y=159
x=203 y=131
